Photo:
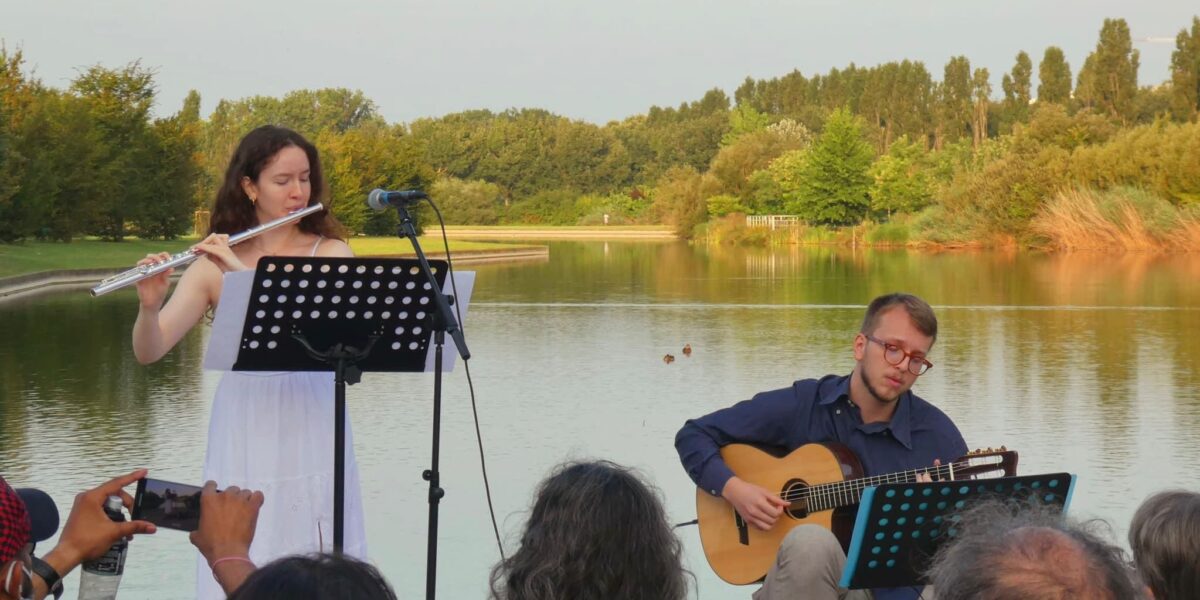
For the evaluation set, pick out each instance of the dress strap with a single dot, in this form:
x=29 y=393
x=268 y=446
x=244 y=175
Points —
x=316 y=245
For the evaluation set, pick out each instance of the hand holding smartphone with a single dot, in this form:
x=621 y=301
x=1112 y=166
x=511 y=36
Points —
x=167 y=504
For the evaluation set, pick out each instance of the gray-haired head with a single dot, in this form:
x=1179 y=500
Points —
x=1020 y=551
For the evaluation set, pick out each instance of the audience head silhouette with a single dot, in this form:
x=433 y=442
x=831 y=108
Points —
x=1165 y=539
x=596 y=532
x=315 y=577
x=1010 y=552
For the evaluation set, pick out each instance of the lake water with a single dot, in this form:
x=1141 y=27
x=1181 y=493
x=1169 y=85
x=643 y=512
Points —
x=1083 y=363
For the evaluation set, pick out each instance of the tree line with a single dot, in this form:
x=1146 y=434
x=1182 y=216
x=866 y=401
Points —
x=836 y=148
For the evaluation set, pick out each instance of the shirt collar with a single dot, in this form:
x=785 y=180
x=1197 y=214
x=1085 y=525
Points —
x=901 y=424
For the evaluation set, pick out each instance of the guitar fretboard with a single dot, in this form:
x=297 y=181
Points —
x=827 y=496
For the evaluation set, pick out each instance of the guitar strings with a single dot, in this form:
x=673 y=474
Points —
x=833 y=489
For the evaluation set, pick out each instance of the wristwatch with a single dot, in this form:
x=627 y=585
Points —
x=51 y=577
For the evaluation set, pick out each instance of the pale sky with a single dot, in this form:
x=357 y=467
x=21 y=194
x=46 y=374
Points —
x=598 y=60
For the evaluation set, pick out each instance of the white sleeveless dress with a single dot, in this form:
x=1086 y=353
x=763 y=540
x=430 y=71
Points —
x=274 y=432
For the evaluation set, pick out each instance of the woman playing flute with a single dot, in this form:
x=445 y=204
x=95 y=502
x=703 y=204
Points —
x=268 y=431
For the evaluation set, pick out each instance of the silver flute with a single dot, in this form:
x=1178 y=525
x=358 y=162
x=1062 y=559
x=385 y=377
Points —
x=141 y=272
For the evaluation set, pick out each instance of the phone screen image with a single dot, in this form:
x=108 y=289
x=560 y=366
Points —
x=167 y=504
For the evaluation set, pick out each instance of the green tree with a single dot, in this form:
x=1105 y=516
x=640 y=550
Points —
x=878 y=99
x=679 y=200
x=835 y=183
x=725 y=204
x=63 y=157
x=955 y=104
x=1054 y=77
x=528 y=151
x=734 y=164
x=1108 y=80
x=1017 y=86
x=119 y=101
x=689 y=135
x=190 y=113
x=171 y=170
x=1150 y=103
x=981 y=90
x=744 y=119
x=547 y=207
x=901 y=182
x=468 y=202
x=1185 y=73
x=371 y=155
x=313 y=112
x=17 y=220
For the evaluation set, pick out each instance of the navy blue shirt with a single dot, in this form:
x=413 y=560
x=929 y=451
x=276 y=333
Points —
x=819 y=410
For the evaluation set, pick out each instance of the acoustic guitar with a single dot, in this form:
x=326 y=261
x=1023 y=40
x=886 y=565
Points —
x=824 y=483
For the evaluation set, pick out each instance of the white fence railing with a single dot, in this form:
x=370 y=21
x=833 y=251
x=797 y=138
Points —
x=774 y=221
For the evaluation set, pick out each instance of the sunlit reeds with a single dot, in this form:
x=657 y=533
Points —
x=1122 y=219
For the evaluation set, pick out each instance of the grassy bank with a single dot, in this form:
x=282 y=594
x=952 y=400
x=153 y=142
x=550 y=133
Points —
x=733 y=230
x=1117 y=220
x=34 y=257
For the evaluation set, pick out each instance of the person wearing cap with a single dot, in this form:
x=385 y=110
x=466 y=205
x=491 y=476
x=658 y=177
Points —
x=87 y=535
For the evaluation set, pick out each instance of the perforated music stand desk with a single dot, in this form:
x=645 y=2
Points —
x=345 y=315
x=901 y=525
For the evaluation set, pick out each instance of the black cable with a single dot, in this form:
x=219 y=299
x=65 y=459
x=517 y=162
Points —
x=487 y=488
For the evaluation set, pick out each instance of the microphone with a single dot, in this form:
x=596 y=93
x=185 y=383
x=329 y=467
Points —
x=382 y=199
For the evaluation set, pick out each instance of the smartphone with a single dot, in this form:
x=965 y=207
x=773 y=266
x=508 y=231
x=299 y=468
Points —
x=167 y=504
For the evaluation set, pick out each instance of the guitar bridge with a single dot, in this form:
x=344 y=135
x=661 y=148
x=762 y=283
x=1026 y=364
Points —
x=743 y=529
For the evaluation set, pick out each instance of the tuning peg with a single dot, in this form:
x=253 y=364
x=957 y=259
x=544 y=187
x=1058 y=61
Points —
x=1003 y=449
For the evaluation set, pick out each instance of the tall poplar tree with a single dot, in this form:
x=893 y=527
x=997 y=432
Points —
x=981 y=89
x=1185 y=73
x=1054 y=77
x=1017 y=87
x=1108 y=80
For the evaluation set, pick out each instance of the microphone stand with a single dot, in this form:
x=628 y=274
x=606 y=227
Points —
x=443 y=323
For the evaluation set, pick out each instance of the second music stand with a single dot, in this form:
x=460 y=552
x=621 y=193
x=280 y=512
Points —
x=901 y=525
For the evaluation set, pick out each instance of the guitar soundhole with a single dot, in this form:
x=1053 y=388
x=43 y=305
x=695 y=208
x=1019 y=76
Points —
x=796 y=491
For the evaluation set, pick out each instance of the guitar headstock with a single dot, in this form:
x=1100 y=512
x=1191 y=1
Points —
x=992 y=462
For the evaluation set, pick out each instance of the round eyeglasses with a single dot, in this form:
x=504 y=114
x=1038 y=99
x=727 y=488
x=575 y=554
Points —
x=917 y=365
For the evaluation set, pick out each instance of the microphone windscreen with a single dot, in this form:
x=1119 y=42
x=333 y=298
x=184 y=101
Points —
x=375 y=199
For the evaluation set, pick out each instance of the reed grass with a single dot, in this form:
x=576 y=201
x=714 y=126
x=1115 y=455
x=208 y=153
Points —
x=1121 y=219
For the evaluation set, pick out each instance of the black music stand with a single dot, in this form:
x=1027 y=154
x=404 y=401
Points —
x=345 y=315
x=900 y=525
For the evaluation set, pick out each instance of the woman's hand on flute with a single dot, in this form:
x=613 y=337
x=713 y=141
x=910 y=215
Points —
x=152 y=290
x=216 y=248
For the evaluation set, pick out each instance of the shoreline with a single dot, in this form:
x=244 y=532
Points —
x=33 y=283
x=559 y=232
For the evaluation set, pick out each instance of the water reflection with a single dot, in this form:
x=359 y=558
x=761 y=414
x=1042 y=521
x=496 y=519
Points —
x=1083 y=363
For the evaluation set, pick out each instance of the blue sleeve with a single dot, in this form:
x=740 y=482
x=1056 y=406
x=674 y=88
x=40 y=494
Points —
x=952 y=446
x=776 y=418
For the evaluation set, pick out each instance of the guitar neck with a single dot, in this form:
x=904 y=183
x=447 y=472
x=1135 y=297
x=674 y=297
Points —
x=828 y=496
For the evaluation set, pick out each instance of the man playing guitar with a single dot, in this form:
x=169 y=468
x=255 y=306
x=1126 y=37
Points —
x=871 y=411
